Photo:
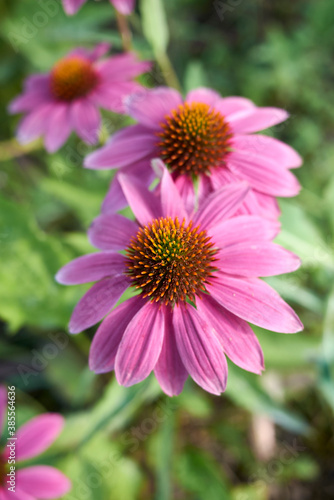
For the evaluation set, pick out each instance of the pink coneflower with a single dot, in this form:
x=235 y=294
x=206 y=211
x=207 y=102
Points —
x=68 y=98
x=37 y=481
x=205 y=137
x=123 y=6
x=197 y=279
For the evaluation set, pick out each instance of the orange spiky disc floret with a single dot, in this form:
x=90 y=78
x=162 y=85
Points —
x=71 y=78
x=195 y=139
x=170 y=261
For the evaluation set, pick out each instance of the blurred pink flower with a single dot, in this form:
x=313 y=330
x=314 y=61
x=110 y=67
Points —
x=206 y=137
x=123 y=6
x=68 y=97
x=37 y=481
x=173 y=257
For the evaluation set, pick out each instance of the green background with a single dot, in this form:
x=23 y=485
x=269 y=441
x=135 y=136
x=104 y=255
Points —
x=268 y=437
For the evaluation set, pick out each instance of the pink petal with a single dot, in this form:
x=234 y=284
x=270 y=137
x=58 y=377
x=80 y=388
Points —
x=254 y=301
x=72 y=6
x=256 y=258
x=199 y=348
x=34 y=124
x=221 y=204
x=185 y=187
x=230 y=105
x=243 y=229
x=263 y=175
x=43 y=482
x=235 y=335
x=169 y=370
x=92 y=267
x=254 y=120
x=109 y=335
x=203 y=95
x=37 y=435
x=115 y=199
x=150 y=107
x=58 y=127
x=3 y=406
x=141 y=345
x=97 y=302
x=268 y=205
x=124 y=6
x=37 y=82
x=100 y=50
x=263 y=145
x=29 y=101
x=122 y=67
x=143 y=203
x=112 y=232
x=111 y=95
x=18 y=494
x=125 y=147
x=171 y=202
x=85 y=120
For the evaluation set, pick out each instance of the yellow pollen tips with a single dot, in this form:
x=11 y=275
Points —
x=194 y=139
x=71 y=78
x=177 y=258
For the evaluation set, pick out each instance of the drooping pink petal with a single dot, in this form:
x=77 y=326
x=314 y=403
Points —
x=171 y=202
x=91 y=267
x=253 y=300
x=72 y=6
x=143 y=203
x=221 y=204
x=268 y=205
x=242 y=229
x=150 y=107
x=141 y=345
x=86 y=120
x=235 y=335
x=124 y=6
x=106 y=341
x=37 y=82
x=112 y=95
x=112 y=232
x=257 y=258
x=169 y=370
x=34 y=124
x=262 y=174
x=37 y=435
x=43 y=482
x=125 y=65
x=203 y=95
x=200 y=350
x=125 y=147
x=97 y=302
x=58 y=127
x=254 y=120
x=263 y=145
x=29 y=101
x=18 y=494
x=185 y=187
x=115 y=199
x=3 y=406
x=230 y=105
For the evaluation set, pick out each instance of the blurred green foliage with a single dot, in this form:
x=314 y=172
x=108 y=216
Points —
x=135 y=443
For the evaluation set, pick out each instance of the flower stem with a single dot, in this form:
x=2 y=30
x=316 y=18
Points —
x=168 y=70
x=124 y=30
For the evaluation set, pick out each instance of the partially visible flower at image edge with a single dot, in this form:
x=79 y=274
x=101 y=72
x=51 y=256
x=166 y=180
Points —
x=70 y=95
x=123 y=6
x=34 y=437
x=197 y=278
x=203 y=136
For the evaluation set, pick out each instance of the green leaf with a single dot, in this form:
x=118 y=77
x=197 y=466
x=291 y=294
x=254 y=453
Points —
x=155 y=24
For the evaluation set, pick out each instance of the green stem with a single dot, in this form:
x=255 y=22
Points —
x=124 y=30
x=168 y=70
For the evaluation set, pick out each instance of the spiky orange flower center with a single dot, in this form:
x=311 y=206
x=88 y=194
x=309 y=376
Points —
x=72 y=77
x=195 y=139
x=170 y=261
